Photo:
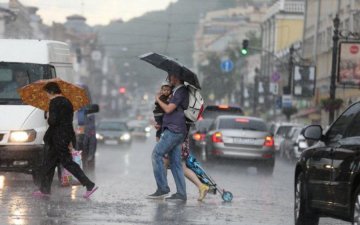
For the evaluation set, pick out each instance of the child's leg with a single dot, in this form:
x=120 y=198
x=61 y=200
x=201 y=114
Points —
x=190 y=175
x=158 y=120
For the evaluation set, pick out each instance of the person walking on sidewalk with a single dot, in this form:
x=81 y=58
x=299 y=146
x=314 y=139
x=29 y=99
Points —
x=59 y=138
x=174 y=132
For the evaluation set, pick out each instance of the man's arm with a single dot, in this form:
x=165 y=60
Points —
x=168 y=108
x=53 y=114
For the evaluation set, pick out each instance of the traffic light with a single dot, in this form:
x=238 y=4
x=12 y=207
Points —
x=245 y=45
x=122 y=90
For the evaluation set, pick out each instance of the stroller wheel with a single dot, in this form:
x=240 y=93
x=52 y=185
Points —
x=227 y=196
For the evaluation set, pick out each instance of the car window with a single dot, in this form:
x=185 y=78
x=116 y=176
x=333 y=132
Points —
x=354 y=131
x=15 y=75
x=290 y=133
x=272 y=128
x=296 y=133
x=212 y=111
x=203 y=124
x=112 y=126
x=212 y=126
x=337 y=130
x=283 y=130
x=242 y=124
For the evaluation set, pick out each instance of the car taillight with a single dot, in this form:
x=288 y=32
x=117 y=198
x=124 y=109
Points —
x=197 y=137
x=217 y=137
x=269 y=141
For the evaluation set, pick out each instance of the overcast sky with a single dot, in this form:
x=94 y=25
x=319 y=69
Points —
x=95 y=11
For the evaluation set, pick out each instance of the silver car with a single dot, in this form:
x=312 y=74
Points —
x=242 y=138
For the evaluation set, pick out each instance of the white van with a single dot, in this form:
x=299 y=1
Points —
x=22 y=127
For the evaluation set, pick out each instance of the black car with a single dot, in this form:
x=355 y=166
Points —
x=327 y=175
x=197 y=135
x=113 y=132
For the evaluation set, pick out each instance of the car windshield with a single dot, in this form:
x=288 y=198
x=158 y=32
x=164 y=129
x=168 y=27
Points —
x=137 y=123
x=16 y=75
x=283 y=130
x=242 y=124
x=112 y=126
x=203 y=125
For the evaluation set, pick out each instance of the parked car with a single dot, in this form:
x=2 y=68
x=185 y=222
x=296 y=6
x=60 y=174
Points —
x=242 y=137
x=113 y=132
x=327 y=175
x=293 y=144
x=140 y=129
x=279 y=131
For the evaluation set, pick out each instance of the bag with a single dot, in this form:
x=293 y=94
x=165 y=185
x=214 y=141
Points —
x=67 y=178
x=196 y=104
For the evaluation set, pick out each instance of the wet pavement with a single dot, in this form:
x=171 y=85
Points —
x=124 y=176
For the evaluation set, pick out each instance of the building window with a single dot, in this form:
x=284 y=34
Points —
x=347 y=24
x=356 y=22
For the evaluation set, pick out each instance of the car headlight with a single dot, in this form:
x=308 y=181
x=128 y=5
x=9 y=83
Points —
x=303 y=144
x=22 y=136
x=147 y=129
x=125 y=137
x=99 y=136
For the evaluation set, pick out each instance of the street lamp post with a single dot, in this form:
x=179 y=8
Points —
x=256 y=94
x=336 y=23
x=291 y=64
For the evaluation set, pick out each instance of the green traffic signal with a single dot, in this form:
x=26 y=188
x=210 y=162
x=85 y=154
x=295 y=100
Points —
x=245 y=45
x=244 y=51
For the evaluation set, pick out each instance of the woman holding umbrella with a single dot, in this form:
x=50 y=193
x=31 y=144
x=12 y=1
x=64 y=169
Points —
x=59 y=137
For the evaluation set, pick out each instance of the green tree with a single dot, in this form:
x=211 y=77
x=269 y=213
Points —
x=217 y=82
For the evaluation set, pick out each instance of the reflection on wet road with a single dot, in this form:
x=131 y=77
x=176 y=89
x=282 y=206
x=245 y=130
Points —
x=125 y=177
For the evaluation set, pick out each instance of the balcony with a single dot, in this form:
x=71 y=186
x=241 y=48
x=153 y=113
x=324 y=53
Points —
x=285 y=6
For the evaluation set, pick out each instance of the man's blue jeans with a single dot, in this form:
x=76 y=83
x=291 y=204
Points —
x=169 y=143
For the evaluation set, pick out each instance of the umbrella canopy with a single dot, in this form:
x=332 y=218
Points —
x=33 y=94
x=172 y=66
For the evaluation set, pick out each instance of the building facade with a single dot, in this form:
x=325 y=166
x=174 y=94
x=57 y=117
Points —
x=318 y=43
x=281 y=28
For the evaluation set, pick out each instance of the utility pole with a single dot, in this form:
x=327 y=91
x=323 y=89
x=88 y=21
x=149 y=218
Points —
x=291 y=65
x=256 y=88
x=336 y=23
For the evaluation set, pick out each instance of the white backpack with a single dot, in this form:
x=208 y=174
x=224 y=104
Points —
x=196 y=104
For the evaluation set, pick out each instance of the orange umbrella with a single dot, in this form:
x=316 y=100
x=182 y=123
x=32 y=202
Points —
x=33 y=94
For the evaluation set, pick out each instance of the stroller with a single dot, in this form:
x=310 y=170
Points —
x=195 y=166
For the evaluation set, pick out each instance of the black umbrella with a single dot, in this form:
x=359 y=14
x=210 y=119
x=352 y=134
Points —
x=171 y=66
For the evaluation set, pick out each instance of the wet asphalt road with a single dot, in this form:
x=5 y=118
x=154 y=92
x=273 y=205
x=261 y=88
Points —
x=124 y=176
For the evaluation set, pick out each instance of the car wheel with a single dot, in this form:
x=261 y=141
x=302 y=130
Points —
x=302 y=214
x=356 y=207
x=267 y=167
